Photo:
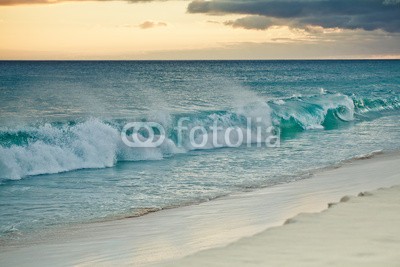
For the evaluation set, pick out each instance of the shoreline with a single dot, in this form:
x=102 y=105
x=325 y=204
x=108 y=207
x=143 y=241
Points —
x=357 y=230
x=4 y=242
x=174 y=233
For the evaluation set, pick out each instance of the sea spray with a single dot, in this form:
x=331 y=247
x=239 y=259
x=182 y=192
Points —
x=60 y=147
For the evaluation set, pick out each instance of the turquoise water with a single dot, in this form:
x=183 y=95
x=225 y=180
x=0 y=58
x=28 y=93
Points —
x=62 y=160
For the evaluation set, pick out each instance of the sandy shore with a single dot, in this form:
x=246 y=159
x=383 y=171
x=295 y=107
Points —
x=358 y=231
x=167 y=236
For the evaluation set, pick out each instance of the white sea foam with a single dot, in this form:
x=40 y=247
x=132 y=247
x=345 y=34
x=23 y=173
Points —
x=97 y=144
x=91 y=144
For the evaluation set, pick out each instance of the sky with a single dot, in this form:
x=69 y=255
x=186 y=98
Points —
x=199 y=29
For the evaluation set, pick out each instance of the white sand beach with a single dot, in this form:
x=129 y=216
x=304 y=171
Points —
x=360 y=231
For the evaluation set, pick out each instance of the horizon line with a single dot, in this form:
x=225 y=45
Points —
x=127 y=60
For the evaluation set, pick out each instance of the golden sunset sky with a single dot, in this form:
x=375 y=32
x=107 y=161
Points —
x=219 y=29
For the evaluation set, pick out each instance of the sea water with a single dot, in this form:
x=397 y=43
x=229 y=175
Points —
x=63 y=162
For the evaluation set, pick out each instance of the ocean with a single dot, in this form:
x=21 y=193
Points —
x=63 y=160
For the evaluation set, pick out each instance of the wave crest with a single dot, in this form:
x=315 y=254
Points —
x=60 y=147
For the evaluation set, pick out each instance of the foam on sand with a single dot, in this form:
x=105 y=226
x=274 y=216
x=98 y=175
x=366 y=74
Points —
x=358 y=231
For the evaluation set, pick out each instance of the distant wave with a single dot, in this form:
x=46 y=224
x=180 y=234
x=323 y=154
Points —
x=313 y=112
x=61 y=147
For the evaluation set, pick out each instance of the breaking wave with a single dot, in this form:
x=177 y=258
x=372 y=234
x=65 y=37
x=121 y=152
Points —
x=61 y=147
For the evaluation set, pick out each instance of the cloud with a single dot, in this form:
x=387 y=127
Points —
x=346 y=14
x=357 y=44
x=213 y=22
x=255 y=22
x=151 y=24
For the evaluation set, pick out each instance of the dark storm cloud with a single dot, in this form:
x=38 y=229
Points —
x=348 y=14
